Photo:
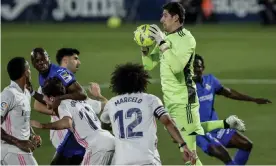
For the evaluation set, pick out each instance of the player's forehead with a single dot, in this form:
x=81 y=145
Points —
x=197 y=62
x=165 y=12
x=75 y=56
x=39 y=56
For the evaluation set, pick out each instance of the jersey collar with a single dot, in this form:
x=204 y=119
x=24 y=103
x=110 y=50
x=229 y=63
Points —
x=177 y=30
x=16 y=86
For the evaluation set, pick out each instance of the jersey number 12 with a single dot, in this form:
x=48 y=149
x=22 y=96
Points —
x=128 y=131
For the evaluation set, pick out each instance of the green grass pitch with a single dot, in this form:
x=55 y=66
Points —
x=230 y=51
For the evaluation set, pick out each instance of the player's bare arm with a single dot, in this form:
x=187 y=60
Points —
x=95 y=91
x=39 y=103
x=25 y=145
x=174 y=132
x=42 y=108
x=75 y=92
x=233 y=94
x=36 y=139
x=64 y=123
x=37 y=96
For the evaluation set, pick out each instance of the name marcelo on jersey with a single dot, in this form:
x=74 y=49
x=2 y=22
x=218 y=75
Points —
x=128 y=99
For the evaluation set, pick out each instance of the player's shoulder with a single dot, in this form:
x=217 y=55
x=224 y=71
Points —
x=150 y=98
x=210 y=78
x=67 y=103
x=60 y=69
x=9 y=92
x=183 y=36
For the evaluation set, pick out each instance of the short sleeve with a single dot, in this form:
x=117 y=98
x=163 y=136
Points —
x=216 y=84
x=95 y=104
x=7 y=102
x=157 y=107
x=105 y=115
x=66 y=77
x=63 y=110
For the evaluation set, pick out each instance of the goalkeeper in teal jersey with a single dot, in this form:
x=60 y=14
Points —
x=175 y=52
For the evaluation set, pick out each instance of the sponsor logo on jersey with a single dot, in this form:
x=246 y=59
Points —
x=4 y=105
x=208 y=87
x=206 y=97
x=65 y=76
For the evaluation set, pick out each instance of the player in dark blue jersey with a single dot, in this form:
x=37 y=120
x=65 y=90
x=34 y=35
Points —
x=216 y=142
x=69 y=152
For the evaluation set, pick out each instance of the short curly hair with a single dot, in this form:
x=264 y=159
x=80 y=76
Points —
x=198 y=57
x=129 y=78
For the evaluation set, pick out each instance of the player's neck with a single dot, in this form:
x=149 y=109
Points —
x=198 y=80
x=65 y=66
x=21 y=83
x=46 y=73
x=176 y=28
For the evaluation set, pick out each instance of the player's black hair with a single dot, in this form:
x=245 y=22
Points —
x=197 y=56
x=129 y=78
x=16 y=68
x=65 y=52
x=38 y=50
x=175 y=8
x=53 y=87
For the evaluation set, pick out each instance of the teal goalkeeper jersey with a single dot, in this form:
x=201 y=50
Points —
x=176 y=68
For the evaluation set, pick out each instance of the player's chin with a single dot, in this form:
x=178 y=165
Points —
x=42 y=70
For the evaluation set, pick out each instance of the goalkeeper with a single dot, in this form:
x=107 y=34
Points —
x=175 y=51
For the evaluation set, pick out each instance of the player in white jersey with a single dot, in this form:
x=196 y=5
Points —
x=80 y=118
x=132 y=115
x=16 y=144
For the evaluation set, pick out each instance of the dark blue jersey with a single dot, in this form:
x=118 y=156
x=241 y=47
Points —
x=206 y=92
x=66 y=76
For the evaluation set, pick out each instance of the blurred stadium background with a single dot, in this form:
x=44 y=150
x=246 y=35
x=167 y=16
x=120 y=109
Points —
x=236 y=37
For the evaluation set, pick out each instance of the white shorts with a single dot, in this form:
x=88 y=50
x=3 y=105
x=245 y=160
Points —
x=17 y=159
x=57 y=136
x=98 y=158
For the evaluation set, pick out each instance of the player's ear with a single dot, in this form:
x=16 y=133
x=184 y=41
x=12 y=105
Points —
x=176 y=18
x=52 y=98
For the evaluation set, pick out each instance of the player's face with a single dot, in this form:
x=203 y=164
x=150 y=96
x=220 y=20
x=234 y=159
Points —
x=41 y=63
x=198 y=68
x=73 y=63
x=168 y=21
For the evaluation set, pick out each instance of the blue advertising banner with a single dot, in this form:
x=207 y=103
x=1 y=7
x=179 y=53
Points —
x=132 y=10
x=79 y=10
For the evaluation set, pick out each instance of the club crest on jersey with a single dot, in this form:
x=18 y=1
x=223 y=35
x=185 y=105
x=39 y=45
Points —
x=65 y=76
x=4 y=106
x=208 y=87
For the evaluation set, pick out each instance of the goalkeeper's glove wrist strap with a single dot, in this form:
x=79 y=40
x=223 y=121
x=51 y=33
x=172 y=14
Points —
x=163 y=47
x=161 y=43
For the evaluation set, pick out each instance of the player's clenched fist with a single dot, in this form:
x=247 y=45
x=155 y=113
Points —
x=36 y=140
x=25 y=145
x=95 y=89
x=189 y=155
